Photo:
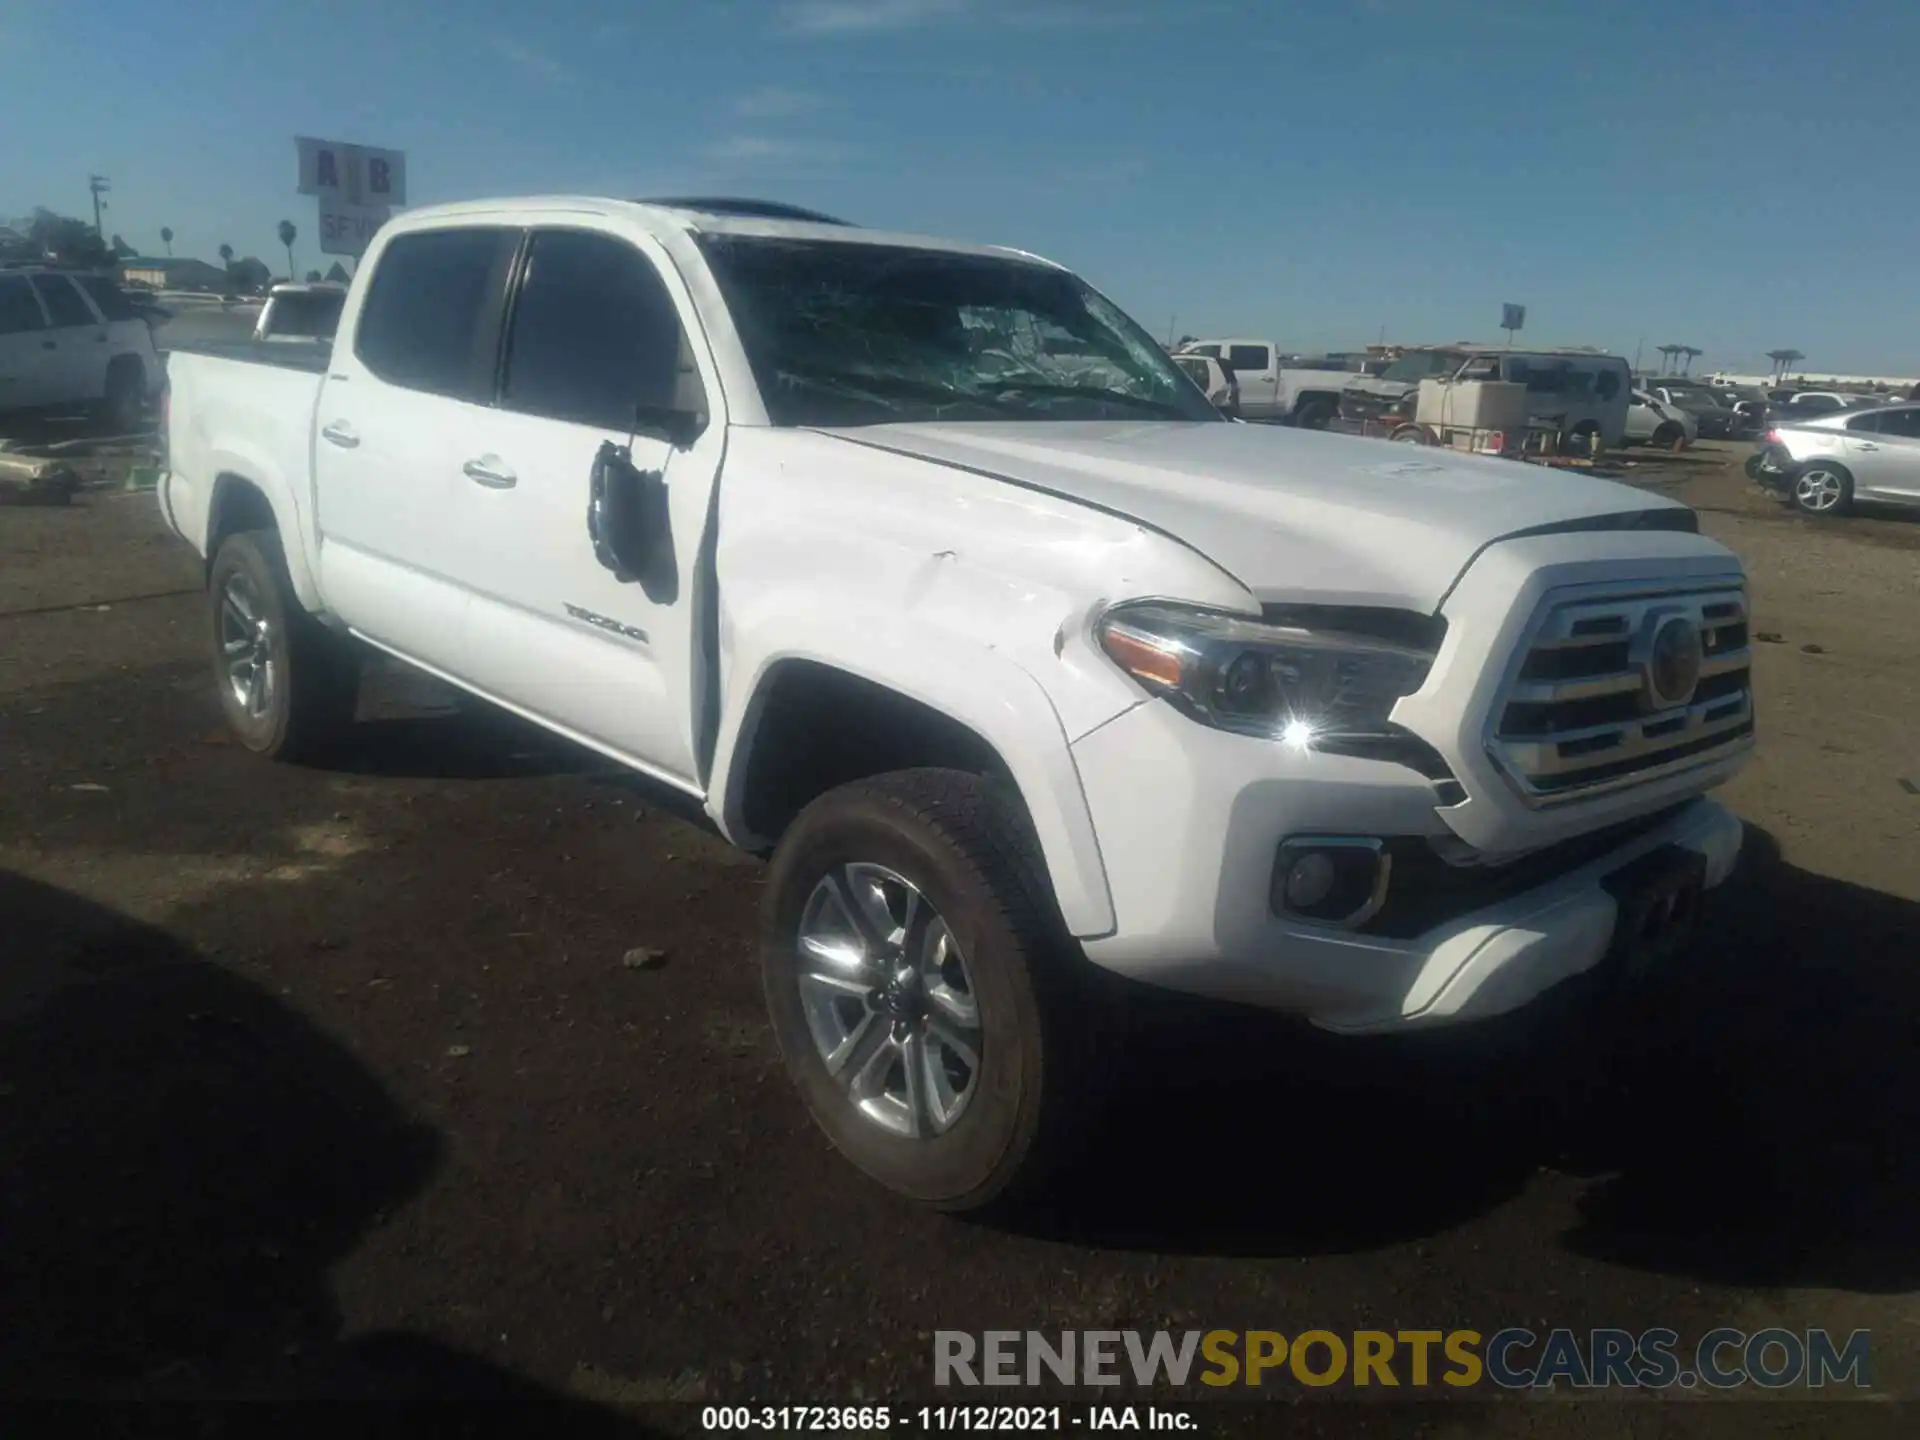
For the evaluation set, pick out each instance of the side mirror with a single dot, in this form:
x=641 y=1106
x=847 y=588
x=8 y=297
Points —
x=626 y=511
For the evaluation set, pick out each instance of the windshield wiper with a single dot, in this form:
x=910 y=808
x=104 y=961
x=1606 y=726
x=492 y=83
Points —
x=1003 y=388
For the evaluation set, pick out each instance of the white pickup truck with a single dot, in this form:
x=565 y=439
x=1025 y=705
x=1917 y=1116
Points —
x=1024 y=681
x=1307 y=396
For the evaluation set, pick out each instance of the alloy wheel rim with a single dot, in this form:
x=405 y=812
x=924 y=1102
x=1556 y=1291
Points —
x=1818 y=490
x=246 y=647
x=889 y=1000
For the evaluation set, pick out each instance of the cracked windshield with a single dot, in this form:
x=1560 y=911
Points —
x=950 y=715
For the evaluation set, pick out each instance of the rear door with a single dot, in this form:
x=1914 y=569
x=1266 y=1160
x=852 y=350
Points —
x=600 y=322
x=29 y=357
x=81 y=350
x=1253 y=366
x=400 y=412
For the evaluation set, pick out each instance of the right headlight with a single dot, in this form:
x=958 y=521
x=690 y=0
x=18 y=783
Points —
x=1303 y=684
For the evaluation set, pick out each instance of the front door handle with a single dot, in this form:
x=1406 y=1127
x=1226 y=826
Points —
x=1865 y=445
x=340 y=433
x=488 y=471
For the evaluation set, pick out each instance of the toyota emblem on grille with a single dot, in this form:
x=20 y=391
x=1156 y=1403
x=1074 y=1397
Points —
x=1671 y=670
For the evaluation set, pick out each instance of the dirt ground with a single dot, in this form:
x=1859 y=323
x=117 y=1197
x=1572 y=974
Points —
x=332 y=1081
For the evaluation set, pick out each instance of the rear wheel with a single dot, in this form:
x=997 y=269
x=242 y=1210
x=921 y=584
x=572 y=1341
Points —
x=918 y=988
x=1823 y=489
x=287 y=685
x=1410 y=435
x=1583 y=439
x=1670 y=436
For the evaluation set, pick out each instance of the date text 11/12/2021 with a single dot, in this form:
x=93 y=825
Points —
x=926 y=1418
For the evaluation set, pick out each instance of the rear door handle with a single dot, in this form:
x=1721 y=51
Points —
x=340 y=433
x=1865 y=445
x=488 y=471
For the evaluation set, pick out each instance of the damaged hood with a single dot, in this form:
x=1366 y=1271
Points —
x=1294 y=515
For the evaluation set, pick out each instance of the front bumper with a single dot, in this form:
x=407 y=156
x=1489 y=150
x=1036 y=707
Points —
x=1190 y=850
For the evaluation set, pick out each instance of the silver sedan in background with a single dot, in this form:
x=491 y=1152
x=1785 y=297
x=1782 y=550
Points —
x=1822 y=465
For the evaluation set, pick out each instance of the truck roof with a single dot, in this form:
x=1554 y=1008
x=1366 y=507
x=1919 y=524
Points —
x=667 y=221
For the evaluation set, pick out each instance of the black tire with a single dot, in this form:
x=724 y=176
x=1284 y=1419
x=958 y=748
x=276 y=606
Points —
x=1670 y=436
x=123 y=406
x=1583 y=439
x=1314 y=414
x=307 y=694
x=1410 y=435
x=966 y=845
x=1822 y=490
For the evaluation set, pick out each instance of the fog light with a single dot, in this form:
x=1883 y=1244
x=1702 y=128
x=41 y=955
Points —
x=1310 y=880
x=1331 y=879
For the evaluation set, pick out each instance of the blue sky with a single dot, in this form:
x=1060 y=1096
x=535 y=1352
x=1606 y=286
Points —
x=1732 y=174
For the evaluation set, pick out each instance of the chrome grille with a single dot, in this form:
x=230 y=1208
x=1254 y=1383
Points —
x=1579 y=714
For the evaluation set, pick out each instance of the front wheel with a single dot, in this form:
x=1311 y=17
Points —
x=1410 y=435
x=1670 y=436
x=1822 y=490
x=915 y=984
x=1314 y=414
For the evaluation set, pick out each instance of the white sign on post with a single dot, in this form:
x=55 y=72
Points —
x=348 y=229
x=356 y=174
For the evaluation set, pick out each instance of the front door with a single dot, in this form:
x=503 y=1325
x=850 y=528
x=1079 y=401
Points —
x=597 y=327
x=28 y=352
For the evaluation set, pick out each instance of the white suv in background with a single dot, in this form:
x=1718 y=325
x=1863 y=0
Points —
x=71 y=340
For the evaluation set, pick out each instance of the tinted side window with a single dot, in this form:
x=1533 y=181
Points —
x=431 y=318
x=1817 y=403
x=107 y=297
x=63 y=301
x=1196 y=369
x=1212 y=352
x=18 y=309
x=1247 y=357
x=1904 y=423
x=1870 y=423
x=1608 y=383
x=594 y=332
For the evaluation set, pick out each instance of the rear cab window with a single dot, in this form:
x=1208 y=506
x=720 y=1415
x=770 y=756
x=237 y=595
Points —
x=1248 y=357
x=431 y=319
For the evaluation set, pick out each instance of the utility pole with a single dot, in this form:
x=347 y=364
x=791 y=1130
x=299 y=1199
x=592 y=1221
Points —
x=99 y=186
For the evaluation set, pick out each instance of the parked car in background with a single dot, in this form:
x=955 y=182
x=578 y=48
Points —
x=297 y=312
x=1215 y=379
x=73 y=340
x=1714 y=418
x=1812 y=404
x=1653 y=421
x=1823 y=464
x=1271 y=388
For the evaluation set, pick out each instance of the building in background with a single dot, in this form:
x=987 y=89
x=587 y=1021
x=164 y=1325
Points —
x=170 y=273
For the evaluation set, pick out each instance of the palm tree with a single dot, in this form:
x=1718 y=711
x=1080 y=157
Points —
x=166 y=238
x=1667 y=352
x=226 y=256
x=1689 y=352
x=287 y=232
x=1788 y=359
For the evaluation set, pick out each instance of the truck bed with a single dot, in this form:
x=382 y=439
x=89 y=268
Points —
x=310 y=355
